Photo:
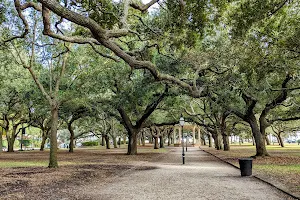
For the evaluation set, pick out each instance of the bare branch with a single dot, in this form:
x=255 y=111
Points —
x=143 y=7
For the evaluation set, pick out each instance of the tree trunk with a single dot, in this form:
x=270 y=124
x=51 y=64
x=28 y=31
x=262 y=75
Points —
x=280 y=140
x=139 y=139
x=143 y=139
x=102 y=140
x=161 y=142
x=259 y=140
x=1 y=144
x=156 y=143
x=10 y=144
x=132 y=143
x=53 y=137
x=115 y=141
x=107 y=141
x=71 y=145
x=209 y=140
x=124 y=139
x=226 y=142
x=218 y=140
x=150 y=139
x=267 y=140
x=44 y=138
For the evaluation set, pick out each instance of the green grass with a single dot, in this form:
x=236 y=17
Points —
x=286 y=169
x=12 y=164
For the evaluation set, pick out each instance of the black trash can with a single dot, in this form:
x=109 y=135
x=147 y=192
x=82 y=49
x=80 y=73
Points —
x=246 y=166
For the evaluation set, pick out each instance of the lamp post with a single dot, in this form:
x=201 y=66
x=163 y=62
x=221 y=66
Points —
x=23 y=133
x=186 y=138
x=181 y=122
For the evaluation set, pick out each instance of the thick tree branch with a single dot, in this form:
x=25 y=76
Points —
x=143 y=7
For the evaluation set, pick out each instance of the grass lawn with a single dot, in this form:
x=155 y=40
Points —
x=26 y=173
x=281 y=168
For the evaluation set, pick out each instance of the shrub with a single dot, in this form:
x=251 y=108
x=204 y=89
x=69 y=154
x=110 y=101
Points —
x=90 y=143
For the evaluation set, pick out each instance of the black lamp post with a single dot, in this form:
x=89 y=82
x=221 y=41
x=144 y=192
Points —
x=181 y=122
x=23 y=133
x=186 y=142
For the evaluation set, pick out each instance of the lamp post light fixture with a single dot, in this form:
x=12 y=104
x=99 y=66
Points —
x=181 y=122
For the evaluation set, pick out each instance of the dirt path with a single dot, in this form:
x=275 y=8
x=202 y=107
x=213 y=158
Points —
x=202 y=177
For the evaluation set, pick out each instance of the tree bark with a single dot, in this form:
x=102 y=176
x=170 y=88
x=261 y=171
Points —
x=226 y=142
x=132 y=143
x=156 y=143
x=103 y=140
x=114 y=141
x=106 y=137
x=143 y=139
x=267 y=140
x=280 y=140
x=44 y=138
x=209 y=140
x=150 y=139
x=10 y=144
x=1 y=144
x=71 y=144
x=53 y=136
x=161 y=142
x=124 y=139
x=259 y=139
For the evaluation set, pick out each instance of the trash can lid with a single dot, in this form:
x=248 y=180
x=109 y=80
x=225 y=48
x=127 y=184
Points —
x=245 y=158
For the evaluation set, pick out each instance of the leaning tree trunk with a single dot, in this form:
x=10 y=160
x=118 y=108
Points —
x=161 y=142
x=72 y=136
x=267 y=140
x=156 y=143
x=280 y=140
x=44 y=138
x=259 y=140
x=53 y=137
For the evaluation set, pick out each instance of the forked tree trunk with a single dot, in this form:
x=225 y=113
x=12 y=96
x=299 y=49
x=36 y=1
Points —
x=259 y=140
x=53 y=137
x=267 y=140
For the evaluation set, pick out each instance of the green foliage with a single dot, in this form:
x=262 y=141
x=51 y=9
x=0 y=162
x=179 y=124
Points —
x=90 y=143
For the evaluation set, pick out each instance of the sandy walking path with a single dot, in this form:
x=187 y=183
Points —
x=202 y=177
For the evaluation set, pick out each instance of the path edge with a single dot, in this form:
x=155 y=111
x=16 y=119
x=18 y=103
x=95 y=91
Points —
x=258 y=178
